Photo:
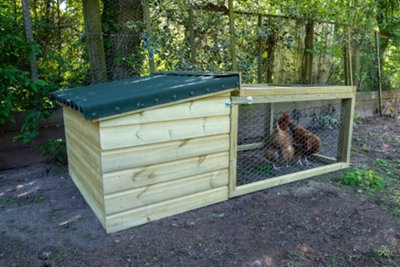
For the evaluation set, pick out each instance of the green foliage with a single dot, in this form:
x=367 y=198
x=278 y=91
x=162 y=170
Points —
x=357 y=118
x=326 y=119
x=358 y=177
x=382 y=162
x=384 y=252
x=20 y=92
x=264 y=169
x=56 y=148
x=59 y=65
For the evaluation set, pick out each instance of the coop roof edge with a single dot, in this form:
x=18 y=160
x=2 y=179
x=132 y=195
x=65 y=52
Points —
x=135 y=94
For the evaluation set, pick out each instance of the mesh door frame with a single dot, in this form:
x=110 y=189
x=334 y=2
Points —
x=249 y=94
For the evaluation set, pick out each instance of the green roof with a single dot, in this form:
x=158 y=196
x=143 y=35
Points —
x=107 y=99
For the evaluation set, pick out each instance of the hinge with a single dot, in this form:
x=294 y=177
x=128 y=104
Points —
x=248 y=100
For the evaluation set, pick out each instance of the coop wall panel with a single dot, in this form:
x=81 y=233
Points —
x=126 y=158
x=87 y=130
x=207 y=107
x=160 y=210
x=150 y=133
x=93 y=197
x=150 y=194
x=93 y=173
x=84 y=160
x=158 y=173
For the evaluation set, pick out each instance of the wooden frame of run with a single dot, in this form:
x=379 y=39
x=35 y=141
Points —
x=262 y=93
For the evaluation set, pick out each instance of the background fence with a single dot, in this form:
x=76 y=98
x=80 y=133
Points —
x=204 y=36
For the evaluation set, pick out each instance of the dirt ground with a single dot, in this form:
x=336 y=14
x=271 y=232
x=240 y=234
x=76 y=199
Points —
x=316 y=222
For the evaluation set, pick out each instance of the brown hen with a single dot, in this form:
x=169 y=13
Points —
x=279 y=148
x=305 y=142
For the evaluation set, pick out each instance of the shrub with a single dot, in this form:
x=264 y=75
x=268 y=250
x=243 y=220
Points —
x=359 y=177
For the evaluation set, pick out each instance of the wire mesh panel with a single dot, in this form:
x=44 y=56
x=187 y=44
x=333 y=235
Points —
x=284 y=138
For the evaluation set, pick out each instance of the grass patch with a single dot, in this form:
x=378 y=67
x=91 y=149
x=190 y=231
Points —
x=264 y=169
x=8 y=200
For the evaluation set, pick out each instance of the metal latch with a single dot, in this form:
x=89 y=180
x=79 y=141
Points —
x=248 y=100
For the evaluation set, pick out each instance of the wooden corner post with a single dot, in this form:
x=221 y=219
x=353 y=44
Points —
x=346 y=130
x=233 y=148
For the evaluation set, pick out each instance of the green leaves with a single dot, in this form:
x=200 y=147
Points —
x=358 y=177
x=56 y=148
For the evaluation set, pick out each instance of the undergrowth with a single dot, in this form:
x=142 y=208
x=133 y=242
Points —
x=359 y=177
x=55 y=148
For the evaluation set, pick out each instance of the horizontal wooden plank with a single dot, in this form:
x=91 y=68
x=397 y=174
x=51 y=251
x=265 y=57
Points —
x=87 y=192
x=225 y=93
x=87 y=180
x=158 y=173
x=150 y=133
x=262 y=90
x=151 y=194
x=324 y=159
x=284 y=179
x=86 y=130
x=89 y=172
x=167 y=208
x=126 y=158
x=294 y=98
x=210 y=106
x=84 y=152
x=250 y=146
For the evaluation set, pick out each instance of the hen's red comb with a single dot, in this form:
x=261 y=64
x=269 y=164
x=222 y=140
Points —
x=286 y=115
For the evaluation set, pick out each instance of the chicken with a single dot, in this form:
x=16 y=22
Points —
x=279 y=146
x=305 y=142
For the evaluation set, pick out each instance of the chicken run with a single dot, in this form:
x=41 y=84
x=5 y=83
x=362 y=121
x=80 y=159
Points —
x=285 y=133
x=300 y=139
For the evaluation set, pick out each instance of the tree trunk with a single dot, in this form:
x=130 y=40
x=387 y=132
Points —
x=308 y=56
x=270 y=49
x=91 y=13
x=123 y=26
x=29 y=38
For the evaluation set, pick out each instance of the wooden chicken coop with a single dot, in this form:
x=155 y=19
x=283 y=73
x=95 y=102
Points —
x=145 y=148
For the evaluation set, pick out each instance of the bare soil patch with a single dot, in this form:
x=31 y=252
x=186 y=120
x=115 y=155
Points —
x=44 y=221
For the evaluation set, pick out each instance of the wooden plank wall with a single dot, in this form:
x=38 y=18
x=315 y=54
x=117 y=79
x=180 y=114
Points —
x=164 y=161
x=83 y=150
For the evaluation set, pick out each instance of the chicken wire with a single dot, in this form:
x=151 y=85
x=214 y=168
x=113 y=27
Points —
x=323 y=118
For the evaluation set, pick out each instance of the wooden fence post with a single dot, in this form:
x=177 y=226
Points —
x=347 y=61
x=191 y=35
x=350 y=63
x=378 y=60
x=149 y=40
x=260 y=50
x=232 y=35
x=308 y=56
